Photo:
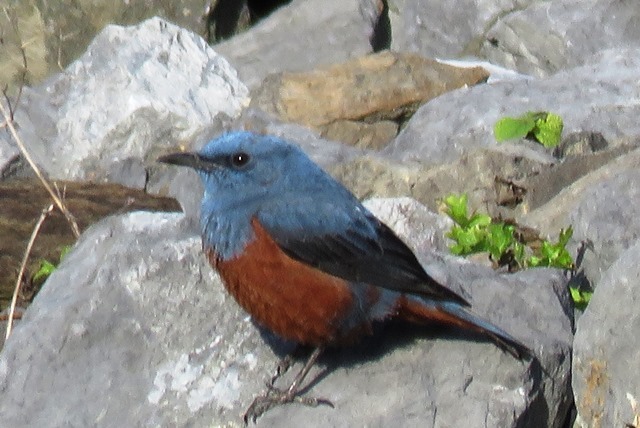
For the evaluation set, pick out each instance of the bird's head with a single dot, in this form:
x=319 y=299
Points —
x=241 y=168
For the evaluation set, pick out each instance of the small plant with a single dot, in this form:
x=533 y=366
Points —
x=479 y=233
x=543 y=127
x=46 y=267
x=580 y=297
x=554 y=255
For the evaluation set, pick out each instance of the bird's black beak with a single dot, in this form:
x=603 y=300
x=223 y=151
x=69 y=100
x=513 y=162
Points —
x=182 y=159
x=192 y=160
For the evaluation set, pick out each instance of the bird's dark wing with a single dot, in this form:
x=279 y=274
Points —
x=347 y=241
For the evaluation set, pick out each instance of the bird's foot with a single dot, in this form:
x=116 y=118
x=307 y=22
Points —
x=274 y=397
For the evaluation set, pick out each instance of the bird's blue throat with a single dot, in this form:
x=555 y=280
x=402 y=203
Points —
x=227 y=232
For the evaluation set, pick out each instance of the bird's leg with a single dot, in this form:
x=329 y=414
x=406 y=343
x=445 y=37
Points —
x=283 y=366
x=275 y=397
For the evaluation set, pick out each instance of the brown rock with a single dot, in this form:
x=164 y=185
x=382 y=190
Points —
x=24 y=200
x=360 y=134
x=383 y=86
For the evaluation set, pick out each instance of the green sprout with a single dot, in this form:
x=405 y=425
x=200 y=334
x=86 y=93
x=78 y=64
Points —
x=580 y=297
x=46 y=267
x=543 y=127
x=479 y=233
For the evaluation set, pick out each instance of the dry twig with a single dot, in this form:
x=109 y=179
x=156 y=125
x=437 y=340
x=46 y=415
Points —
x=23 y=78
x=56 y=199
x=23 y=267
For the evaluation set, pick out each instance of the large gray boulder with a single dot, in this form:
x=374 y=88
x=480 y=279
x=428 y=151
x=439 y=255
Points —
x=442 y=29
x=302 y=36
x=533 y=37
x=541 y=38
x=136 y=90
x=135 y=329
x=607 y=349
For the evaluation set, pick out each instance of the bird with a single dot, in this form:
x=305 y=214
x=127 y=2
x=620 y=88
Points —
x=302 y=255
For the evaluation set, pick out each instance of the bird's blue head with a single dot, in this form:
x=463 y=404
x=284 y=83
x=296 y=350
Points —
x=242 y=172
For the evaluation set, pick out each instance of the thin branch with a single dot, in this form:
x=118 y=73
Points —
x=45 y=213
x=23 y=78
x=56 y=199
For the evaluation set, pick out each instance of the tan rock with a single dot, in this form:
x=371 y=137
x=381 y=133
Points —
x=360 y=134
x=383 y=86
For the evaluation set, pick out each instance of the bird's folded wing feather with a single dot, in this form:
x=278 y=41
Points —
x=347 y=241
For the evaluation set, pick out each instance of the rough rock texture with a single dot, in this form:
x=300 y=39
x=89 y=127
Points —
x=9 y=158
x=602 y=207
x=443 y=29
x=54 y=34
x=533 y=37
x=137 y=318
x=135 y=90
x=380 y=87
x=540 y=38
x=606 y=348
x=475 y=173
x=306 y=34
x=458 y=121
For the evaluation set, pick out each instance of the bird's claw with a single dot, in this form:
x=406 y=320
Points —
x=274 y=397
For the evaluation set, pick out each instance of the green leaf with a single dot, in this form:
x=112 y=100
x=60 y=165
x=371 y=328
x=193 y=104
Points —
x=565 y=235
x=64 y=251
x=499 y=239
x=518 y=253
x=479 y=220
x=580 y=298
x=456 y=208
x=557 y=255
x=509 y=128
x=45 y=269
x=534 y=261
x=548 y=130
x=467 y=241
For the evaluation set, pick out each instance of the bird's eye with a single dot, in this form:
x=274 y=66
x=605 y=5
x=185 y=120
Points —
x=239 y=159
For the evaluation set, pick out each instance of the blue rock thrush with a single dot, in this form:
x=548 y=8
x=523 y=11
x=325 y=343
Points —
x=306 y=259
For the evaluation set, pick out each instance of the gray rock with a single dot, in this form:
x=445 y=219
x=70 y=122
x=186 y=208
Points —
x=608 y=215
x=9 y=157
x=532 y=37
x=129 y=172
x=134 y=329
x=607 y=348
x=580 y=143
x=413 y=222
x=136 y=326
x=53 y=34
x=435 y=28
x=602 y=208
x=135 y=89
x=301 y=36
x=540 y=38
x=462 y=120
x=543 y=186
x=474 y=173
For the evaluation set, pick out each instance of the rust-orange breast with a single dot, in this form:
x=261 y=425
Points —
x=292 y=299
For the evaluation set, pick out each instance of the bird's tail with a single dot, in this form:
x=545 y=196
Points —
x=423 y=311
